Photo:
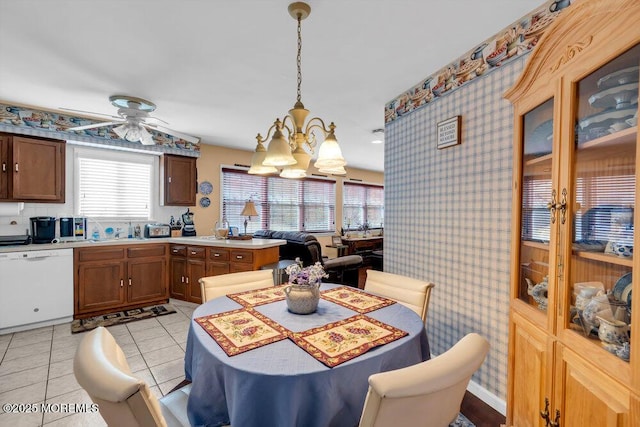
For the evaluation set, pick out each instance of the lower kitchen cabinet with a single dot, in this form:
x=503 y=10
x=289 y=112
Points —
x=119 y=277
x=188 y=265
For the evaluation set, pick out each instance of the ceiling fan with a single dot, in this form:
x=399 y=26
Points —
x=132 y=117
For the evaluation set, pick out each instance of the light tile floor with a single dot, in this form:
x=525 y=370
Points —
x=36 y=366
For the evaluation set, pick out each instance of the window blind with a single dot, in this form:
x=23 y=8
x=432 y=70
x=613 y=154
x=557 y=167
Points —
x=362 y=204
x=114 y=188
x=282 y=204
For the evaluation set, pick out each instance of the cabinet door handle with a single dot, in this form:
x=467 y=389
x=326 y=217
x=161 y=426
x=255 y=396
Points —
x=239 y=257
x=4 y=167
x=121 y=283
x=216 y=254
x=187 y=280
x=169 y=180
x=553 y=205
x=175 y=251
x=129 y=281
x=182 y=279
x=193 y=252
x=16 y=167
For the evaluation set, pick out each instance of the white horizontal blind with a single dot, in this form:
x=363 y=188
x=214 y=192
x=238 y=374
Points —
x=536 y=193
x=606 y=207
x=114 y=188
x=282 y=204
x=362 y=204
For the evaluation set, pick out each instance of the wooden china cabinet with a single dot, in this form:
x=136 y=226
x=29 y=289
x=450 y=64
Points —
x=572 y=360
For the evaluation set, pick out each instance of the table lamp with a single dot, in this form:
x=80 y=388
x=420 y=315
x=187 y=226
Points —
x=249 y=210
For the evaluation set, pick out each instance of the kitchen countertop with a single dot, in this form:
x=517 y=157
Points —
x=195 y=240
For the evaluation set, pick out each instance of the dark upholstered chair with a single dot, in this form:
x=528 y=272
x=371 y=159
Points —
x=307 y=247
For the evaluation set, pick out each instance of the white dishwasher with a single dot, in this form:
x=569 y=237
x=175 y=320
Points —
x=36 y=289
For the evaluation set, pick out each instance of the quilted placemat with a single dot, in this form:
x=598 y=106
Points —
x=337 y=342
x=257 y=297
x=241 y=330
x=355 y=299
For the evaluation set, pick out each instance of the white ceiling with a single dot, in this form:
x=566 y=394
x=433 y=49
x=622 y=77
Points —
x=223 y=70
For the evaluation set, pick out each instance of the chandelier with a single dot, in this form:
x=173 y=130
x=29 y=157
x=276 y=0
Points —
x=290 y=152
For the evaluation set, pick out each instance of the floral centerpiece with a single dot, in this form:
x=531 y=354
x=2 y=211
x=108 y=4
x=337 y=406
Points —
x=299 y=275
x=303 y=293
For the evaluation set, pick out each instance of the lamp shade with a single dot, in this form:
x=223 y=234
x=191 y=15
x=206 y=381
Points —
x=257 y=168
x=249 y=209
x=279 y=151
x=299 y=169
x=330 y=154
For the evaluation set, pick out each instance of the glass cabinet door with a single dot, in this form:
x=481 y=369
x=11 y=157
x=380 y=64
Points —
x=535 y=222
x=603 y=189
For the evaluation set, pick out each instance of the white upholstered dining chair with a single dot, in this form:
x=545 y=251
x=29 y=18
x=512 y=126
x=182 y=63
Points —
x=216 y=286
x=428 y=394
x=101 y=368
x=410 y=292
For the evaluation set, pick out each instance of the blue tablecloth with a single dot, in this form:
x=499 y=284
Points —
x=280 y=384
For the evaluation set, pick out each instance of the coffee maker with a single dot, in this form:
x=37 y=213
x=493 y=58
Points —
x=188 y=229
x=43 y=229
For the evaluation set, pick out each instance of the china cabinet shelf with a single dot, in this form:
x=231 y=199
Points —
x=537 y=245
x=569 y=344
x=599 y=256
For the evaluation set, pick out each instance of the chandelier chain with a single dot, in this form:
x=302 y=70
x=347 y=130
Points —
x=299 y=57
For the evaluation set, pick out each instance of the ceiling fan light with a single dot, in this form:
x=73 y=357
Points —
x=121 y=130
x=146 y=138
x=279 y=151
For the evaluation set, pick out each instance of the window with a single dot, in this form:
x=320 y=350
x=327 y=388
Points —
x=363 y=205
x=282 y=204
x=114 y=184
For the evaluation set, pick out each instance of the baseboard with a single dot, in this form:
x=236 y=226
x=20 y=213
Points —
x=487 y=397
x=20 y=328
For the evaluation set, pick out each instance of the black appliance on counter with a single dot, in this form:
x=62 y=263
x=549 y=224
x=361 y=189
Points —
x=189 y=229
x=43 y=229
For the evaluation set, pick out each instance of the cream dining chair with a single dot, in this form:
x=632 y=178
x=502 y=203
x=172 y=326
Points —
x=101 y=368
x=428 y=394
x=410 y=292
x=216 y=286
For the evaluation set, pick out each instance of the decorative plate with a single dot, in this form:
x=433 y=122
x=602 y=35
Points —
x=620 y=77
x=205 y=202
x=618 y=96
x=206 y=188
x=622 y=283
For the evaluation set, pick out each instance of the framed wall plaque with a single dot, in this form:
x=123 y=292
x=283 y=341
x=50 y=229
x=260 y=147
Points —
x=449 y=132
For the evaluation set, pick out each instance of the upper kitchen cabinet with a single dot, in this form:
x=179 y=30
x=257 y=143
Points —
x=573 y=360
x=179 y=180
x=33 y=169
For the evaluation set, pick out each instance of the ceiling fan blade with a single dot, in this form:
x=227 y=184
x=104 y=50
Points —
x=91 y=113
x=189 y=138
x=94 y=125
x=158 y=119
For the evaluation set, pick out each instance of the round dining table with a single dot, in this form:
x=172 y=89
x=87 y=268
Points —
x=280 y=384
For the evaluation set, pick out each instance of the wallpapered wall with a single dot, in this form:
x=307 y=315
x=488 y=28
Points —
x=448 y=214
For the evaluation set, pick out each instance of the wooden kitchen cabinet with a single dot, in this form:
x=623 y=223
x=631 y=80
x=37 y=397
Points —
x=188 y=265
x=574 y=209
x=32 y=169
x=179 y=180
x=112 y=278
